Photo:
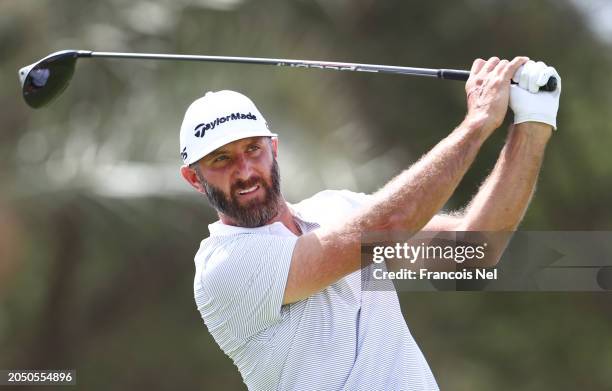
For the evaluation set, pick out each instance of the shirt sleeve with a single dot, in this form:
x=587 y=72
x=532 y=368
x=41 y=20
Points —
x=244 y=283
x=355 y=200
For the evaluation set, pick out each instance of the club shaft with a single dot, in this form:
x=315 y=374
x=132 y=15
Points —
x=340 y=66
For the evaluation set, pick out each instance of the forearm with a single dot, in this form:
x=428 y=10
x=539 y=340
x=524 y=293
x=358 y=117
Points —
x=406 y=203
x=410 y=200
x=502 y=200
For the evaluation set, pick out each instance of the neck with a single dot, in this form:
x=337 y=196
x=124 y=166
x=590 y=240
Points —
x=284 y=216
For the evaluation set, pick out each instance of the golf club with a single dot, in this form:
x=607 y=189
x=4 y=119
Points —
x=44 y=80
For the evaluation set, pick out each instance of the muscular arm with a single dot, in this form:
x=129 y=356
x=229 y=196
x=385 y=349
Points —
x=504 y=196
x=407 y=202
x=500 y=204
x=411 y=199
x=502 y=200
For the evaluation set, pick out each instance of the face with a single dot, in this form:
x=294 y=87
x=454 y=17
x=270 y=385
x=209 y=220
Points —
x=242 y=181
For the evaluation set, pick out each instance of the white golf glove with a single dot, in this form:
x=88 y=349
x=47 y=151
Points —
x=530 y=104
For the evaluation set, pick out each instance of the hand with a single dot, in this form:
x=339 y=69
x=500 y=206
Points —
x=488 y=90
x=527 y=101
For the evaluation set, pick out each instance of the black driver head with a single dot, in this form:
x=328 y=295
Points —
x=42 y=81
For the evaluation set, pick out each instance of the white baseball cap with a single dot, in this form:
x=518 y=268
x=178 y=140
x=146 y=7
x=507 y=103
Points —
x=216 y=119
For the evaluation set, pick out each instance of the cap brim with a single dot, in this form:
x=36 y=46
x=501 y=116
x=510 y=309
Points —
x=226 y=140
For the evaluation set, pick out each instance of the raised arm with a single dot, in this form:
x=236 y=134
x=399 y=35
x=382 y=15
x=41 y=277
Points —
x=410 y=200
x=503 y=198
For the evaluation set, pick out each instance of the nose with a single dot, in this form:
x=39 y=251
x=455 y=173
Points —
x=243 y=168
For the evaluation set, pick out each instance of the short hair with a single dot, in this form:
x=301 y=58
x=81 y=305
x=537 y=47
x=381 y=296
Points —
x=195 y=167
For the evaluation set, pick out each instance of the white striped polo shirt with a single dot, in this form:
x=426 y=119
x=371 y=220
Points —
x=341 y=338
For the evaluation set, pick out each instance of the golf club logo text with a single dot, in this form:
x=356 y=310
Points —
x=201 y=129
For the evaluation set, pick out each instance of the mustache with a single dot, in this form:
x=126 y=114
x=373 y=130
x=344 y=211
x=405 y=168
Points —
x=242 y=185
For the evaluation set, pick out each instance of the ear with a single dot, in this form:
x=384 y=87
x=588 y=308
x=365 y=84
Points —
x=190 y=176
x=275 y=146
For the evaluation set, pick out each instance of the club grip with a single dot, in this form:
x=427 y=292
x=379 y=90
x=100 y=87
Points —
x=455 y=74
x=550 y=85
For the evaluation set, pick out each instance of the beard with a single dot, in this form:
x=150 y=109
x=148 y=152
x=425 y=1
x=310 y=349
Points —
x=255 y=213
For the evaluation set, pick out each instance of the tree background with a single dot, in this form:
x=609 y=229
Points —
x=98 y=231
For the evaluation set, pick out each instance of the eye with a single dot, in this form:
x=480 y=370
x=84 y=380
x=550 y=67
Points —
x=253 y=147
x=220 y=158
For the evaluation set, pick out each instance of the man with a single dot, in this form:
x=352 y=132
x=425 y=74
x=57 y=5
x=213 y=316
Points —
x=278 y=285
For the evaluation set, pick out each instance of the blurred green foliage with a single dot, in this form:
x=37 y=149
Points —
x=97 y=232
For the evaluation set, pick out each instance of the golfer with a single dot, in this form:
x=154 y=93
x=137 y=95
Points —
x=278 y=284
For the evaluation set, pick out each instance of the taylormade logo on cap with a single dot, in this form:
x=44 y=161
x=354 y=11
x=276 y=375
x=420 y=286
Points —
x=216 y=119
x=201 y=129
